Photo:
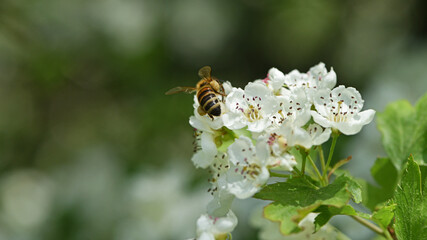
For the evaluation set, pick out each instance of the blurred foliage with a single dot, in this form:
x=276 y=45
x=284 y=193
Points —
x=82 y=87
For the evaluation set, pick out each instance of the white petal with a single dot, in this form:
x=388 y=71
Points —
x=220 y=204
x=277 y=78
x=269 y=105
x=208 y=143
x=322 y=121
x=287 y=162
x=227 y=87
x=242 y=189
x=199 y=124
x=258 y=126
x=204 y=157
x=204 y=223
x=256 y=89
x=241 y=150
x=235 y=100
x=323 y=137
x=350 y=98
x=366 y=116
x=226 y=224
x=234 y=121
x=300 y=137
x=355 y=124
x=262 y=152
x=321 y=101
x=330 y=80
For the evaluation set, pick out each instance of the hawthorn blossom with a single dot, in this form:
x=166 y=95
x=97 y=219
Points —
x=248 y=172
x=275 y=81
x=222 y=199
x=278 y=155
x=251 y=107
x=340 y=109
x=294 y=107
x=324 y=79
x=211 y=228
x=315 y=79
x=289 y=135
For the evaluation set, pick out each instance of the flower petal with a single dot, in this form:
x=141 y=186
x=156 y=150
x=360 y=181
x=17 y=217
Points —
x=355 y=124
x=323 y=137
x=242 y=150
x=322 y=121
x=220 y=204
x=226 y=224
x=204 y=157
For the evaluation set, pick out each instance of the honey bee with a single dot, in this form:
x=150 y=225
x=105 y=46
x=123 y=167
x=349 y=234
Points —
x=208 y=89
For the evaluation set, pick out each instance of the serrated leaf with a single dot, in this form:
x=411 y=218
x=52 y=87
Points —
x=295 y=199
x=355 y=190
x=385 y=174
x=410 y=212
x=384 y=216
x=403 y=128
x=354 y=187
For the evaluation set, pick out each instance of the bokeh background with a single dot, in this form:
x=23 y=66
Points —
x=91 y=148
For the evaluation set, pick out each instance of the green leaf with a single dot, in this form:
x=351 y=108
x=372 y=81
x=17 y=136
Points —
x=411 y=208
x=403 y=128
x=327 y=212
x=355 y=190
x=385 y=174
x=384 y=216
x=294 y=199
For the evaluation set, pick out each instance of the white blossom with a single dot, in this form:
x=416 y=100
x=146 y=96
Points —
x=278 y=155
x=275 y=81
x=340 y=109
x=251 y=107
x=248 y=172
x=211 y=228
x=289 y=135
x=315 y=79
x=222 y=199
x=324 y=79
x=293 y=107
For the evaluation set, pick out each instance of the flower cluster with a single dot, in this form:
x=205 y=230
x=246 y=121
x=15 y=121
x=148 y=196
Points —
x=261 y=123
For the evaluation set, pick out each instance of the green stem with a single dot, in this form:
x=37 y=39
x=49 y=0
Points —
x=322 y=159
x=315 y=168
x=304 y=159
x=331 y=153
x=297 y=171
x=322 y=164
x=370 y=225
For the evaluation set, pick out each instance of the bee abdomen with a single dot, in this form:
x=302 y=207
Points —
x=209 y=102
x=215 y=110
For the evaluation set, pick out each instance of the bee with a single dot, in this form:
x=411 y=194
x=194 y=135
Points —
x=208 y=89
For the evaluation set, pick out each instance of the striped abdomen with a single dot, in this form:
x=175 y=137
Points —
x=209 y=101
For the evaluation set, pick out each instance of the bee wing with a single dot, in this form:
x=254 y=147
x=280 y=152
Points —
x=181 y=89
x=205 y=72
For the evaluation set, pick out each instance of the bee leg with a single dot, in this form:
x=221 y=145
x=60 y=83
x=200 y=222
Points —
x=201 y=111
x=211 y=116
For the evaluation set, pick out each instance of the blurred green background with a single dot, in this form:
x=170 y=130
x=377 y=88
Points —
x=91 y=148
